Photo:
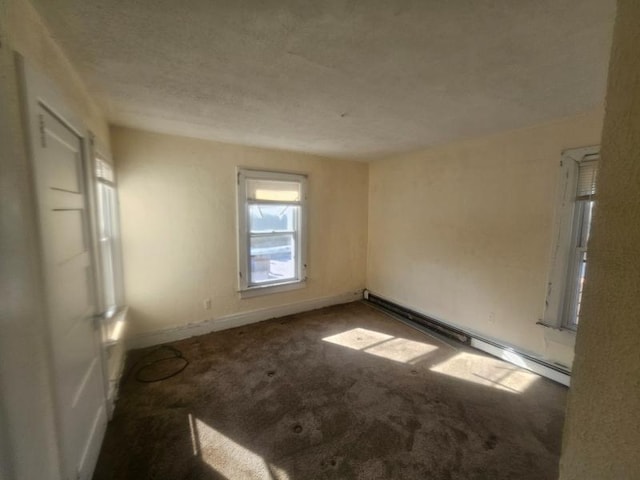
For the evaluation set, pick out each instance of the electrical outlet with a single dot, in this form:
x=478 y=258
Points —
x=207 y=304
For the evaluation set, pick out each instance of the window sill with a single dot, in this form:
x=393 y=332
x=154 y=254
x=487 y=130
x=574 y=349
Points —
x=269 y=289
x=114 y=324
x=556 y=328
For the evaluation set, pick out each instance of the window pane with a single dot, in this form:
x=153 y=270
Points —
x=273 y=218
x=273 y=190
x=272 y=258
x=270 y=208
x=585 y=225
x=106 y=219
x=109 y=293
x=582 y=274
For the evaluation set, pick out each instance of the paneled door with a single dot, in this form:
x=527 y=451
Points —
x=65 y=235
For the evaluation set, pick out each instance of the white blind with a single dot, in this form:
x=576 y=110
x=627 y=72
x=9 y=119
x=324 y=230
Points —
x=273 y=190
x=587 y=172
x=104 y=170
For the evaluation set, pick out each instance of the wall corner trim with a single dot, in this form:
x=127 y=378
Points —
x=237 y=320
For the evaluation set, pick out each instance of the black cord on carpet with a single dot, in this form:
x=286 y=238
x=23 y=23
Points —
x=175 y=354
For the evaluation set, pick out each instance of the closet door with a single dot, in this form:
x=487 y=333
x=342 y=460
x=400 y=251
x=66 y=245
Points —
x=60 y=185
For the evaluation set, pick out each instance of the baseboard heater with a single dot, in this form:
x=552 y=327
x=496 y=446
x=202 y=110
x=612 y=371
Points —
x=520 y=359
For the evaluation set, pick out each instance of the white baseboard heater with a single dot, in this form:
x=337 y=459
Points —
x=509 y=354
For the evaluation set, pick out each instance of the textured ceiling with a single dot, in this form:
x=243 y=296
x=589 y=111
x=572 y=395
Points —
x=355 y=79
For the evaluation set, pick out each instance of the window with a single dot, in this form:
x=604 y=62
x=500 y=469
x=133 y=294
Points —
x=576 y=202
x=271 y=221
x=107 y=219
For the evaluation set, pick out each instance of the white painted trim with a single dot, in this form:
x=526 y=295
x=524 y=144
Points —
x=112 y=347
x=90 y=454
x=268 y=289
x=563 y=236
x=520 y=361
x=114 y=391
x=39 y=93
x=237 y=320
x=242 y=210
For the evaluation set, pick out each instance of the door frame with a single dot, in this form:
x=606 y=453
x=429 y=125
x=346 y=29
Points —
x=37 y=91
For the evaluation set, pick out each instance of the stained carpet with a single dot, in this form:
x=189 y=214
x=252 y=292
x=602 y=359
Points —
x=338 y=393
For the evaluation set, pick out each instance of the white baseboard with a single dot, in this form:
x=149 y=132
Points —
x=236 y=320
x=521 y=361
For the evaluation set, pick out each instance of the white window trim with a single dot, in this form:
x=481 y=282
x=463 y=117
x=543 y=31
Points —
x=564 y=232
x=99 y=151
x=245 y=289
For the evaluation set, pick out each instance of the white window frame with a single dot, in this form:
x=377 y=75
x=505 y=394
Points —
x=98 y=153
x=560 y=303
x=246 y=288
x=113 y=318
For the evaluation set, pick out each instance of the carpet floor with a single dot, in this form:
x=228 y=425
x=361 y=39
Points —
x=343 y=392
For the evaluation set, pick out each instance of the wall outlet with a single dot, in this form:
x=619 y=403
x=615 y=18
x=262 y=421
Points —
x=207 y=304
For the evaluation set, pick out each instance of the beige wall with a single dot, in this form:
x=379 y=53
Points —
x=27 y=428
x=178 y=216
x=462 y=232
x=602 y=429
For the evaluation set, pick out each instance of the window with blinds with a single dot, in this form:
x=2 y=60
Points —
x=271 y=217
x=104 y=171
x=575 y=204
x=587 y=171
x=583 y=214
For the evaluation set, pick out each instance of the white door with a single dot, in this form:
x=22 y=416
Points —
x=69 y=282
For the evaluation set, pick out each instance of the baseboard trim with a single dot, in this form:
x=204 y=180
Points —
x=509 y=355
x=236 y=320
x=502 y=351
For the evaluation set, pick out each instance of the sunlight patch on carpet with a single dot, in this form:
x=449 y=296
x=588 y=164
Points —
x=486 y=371
x=228 y=457
x=382 y=345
